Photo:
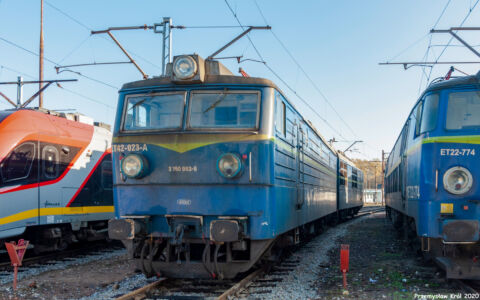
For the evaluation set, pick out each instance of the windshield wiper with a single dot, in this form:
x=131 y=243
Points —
x=220 y=99
x=141 y=101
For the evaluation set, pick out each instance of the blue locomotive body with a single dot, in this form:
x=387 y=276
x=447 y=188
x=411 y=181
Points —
x=229 y=171
x=431 y=178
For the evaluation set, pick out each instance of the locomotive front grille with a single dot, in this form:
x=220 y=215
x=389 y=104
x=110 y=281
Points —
x=460 y=231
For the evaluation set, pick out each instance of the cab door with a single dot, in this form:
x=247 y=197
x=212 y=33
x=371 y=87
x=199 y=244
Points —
x=50 y=189
x=19 y=189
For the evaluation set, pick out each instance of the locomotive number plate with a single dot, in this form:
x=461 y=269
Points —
x=457 y=152
x=129 y=147
x=182 y=169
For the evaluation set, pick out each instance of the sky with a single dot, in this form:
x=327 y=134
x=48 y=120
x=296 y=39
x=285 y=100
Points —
x=324 y=53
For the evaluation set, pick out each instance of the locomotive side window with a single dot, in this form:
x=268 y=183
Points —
x=354 y=179
x=343 y=172
x=429 y=114
x=157 y=111
x=463 y=110
x=232 y=110
x=50 y=163
x=418 y=114
x=411 y=129
x=18 y=164
x=280 y=115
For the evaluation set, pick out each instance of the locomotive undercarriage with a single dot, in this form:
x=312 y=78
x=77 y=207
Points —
x=184 y=257
x=59 y=237
x=459 y=260
x=196 y=258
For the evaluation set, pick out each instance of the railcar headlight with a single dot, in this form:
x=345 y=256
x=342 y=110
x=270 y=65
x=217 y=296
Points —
x=184 y=67
x=457 y=180
x=134 y=165
x=229 y=165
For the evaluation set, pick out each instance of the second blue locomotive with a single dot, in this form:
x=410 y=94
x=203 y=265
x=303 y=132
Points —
x=431 y=179
x=215 y=172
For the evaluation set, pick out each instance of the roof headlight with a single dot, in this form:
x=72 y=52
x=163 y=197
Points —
x=134 y=166
x=229 y=165
x=184 y=67
x=457 y=180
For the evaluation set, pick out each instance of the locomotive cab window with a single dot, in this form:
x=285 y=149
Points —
x=50 y=163
x=154 y=111
x=429 y=114
x=18 y=164
x=224 y=109
x=463 y=110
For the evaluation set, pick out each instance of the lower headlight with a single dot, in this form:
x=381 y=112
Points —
x=457 y=180
x=229 y=165
x=134 y=165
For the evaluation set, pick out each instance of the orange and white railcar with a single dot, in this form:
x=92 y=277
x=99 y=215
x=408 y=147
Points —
x=55 y=178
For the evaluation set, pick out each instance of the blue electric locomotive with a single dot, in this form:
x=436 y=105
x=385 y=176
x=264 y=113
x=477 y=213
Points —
x=214 y=172
x=431 y=177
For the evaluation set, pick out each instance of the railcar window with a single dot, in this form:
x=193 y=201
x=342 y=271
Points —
x=280 y=117
x=50 y=162
x=430 y=113
x=18 y=164
x=153 y=112
x=232 y=110
x=463 y=110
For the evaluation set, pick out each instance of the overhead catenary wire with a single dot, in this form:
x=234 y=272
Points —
x=408 y=48
x=17 y=72
x=91 y=29
x=59 y=86
x=300 y=67
x=56 y=63
x=206 y=26
x=451 y=38
x=86 y=97
x=74 y=49
x=425 y=57
x=279 y=77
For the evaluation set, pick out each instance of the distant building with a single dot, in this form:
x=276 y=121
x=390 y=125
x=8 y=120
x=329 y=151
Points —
x=372 y=195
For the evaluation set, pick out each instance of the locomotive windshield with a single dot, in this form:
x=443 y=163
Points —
x=463 y=110
x=224 y=109
x=154 y=111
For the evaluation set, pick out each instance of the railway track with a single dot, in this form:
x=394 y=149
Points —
x=50 y=258
x=253 y=283
x=470 y=288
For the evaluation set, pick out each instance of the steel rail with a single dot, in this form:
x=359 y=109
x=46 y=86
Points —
x=142 y=290
x=464 y=285
x=240 y=285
